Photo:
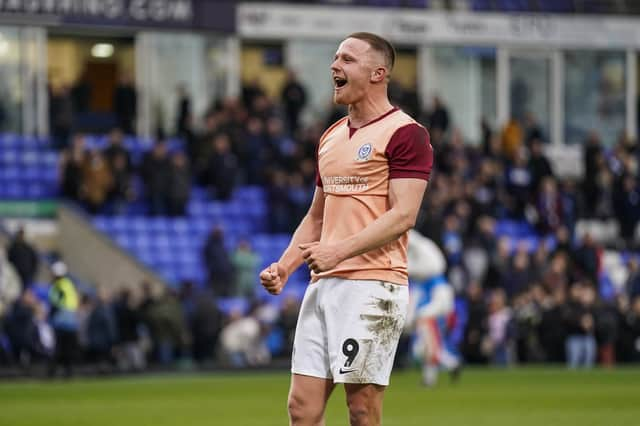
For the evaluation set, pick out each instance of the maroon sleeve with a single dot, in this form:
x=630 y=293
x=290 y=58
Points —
x=410 y=153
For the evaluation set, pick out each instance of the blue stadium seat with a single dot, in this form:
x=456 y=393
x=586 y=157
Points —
x=513 y=5
x=158 y=225
x=35 y=191
x=196 y=208
x=481 y=5
x=9 y=157
x=100 y=223
x=123 y=240
x=556 y=6
x=142 y=241
x=10 y=173
x=162 y=241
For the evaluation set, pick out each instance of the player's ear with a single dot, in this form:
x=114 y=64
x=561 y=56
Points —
x=378 y=74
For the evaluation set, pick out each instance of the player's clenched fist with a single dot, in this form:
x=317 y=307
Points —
x=273 y=278
x=320 y=257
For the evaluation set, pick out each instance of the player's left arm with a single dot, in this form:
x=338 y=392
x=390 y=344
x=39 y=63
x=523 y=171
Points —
x=410 y=167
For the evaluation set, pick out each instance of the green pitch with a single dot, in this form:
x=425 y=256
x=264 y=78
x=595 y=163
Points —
x=520 y=397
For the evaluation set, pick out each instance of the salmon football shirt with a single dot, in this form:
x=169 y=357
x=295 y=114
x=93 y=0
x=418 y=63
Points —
x=354 y=170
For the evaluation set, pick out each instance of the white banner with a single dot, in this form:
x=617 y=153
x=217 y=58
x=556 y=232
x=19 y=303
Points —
x=260 y=20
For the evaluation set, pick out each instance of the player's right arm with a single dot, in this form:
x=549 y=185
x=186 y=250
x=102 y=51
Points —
x=274 y=277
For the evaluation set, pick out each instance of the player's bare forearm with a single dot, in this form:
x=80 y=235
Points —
x=405 y=196
x=308 y=230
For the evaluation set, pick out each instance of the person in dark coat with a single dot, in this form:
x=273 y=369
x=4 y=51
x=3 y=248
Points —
x=60 y=116
x=72 y=162
x=179 y=188
x=218 y=264
x=102 y=331
x=125 y=102
x=439 y=117
x=294 y=99
x=183 y=117
x=23 y=257
x=116 y=148
x=222 y=168
x=156 y=174
x=129 y=321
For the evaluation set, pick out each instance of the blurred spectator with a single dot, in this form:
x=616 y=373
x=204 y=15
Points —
x=539 y=165
x=553 y=327
x=222 y=168
x=518 y=185
x=532 y=129
x=60 y=116
x=122 y=189
x=294 y=99
x=168 y=327
x=256 y=143
x=125 y=102
x=499 y=328
x=116 y=149
x=526 y=317
x=102 y=332
x=72 y=163
x=512 y=138
x=549 y=207
x=299 y=199
x=97 y=182
x=287 y=320
x=586 y=258
x=30 y=337
x=499 y=265
x=581 y=342
x=633 y=324
x=633 y=280
x=245 y=264
x=10 y=284
x=183 y=117
x=439 y=116
x=627 y=208
x=475 y=343
x=518 y=275
x=179 y=189
x=243 y=341
x=279 y=207
x=64 y=301
x=218 y=264
x=204 y=320
x=23 y=257
x=130 y=355
x=156 y=174
x=250 y=91
x=81 y=95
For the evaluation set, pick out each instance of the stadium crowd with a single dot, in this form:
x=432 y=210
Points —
x=536 y=300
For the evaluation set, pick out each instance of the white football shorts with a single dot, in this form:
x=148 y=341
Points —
x=348 y=330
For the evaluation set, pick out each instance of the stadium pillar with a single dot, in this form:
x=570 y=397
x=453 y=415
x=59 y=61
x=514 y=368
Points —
x=632 y=94
x=503 y=77
x=557 y=97
x=33 y=59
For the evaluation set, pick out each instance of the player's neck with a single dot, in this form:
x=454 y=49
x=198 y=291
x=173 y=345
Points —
x=362 y=112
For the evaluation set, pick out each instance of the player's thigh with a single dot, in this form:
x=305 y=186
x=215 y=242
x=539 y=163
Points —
x=309 y=393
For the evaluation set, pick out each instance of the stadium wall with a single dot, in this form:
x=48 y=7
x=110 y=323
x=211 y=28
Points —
x=96 y=259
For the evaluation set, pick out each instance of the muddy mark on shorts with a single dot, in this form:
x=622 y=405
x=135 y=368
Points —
x=386 y=325
x=388 y=286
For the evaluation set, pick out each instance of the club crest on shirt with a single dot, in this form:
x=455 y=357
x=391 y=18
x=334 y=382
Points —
x=364 y=152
